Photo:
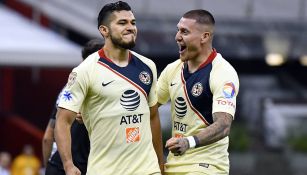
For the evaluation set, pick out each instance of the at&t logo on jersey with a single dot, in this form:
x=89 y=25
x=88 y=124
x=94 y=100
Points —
x=181 y=110
x=229 y=90
x=145 y=77
x=130 y=100
x=180 y=107
x=197 y=89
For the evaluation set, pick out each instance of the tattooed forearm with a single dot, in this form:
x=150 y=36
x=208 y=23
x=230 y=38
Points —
x=216 y=131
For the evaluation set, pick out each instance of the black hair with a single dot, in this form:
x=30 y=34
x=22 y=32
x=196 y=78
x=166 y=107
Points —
x=91 y=46
x=106 y=10
x=201 y=16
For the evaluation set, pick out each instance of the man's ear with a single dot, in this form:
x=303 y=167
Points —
x=104 y=30
x=205 y=37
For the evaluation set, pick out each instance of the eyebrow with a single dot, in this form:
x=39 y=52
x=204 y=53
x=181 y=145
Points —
x=124 y=20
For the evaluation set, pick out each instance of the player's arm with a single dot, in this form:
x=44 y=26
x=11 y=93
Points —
x=157 y=135
x=213 y=133
x=216 y=131
x=64 y=121
x=224 y=89
x=48 y=140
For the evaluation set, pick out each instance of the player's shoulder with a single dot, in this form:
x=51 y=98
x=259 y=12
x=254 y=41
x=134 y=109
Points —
x=174 y=65
x=221 y=64
x=89 y=62
x=223 y=70
x=91 y=59
x=144 y=59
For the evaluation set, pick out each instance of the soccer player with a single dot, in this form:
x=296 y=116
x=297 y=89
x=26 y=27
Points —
x=79 y=135
x=115 y=90
x=202 y=87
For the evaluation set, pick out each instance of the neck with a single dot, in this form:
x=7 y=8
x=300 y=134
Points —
x=117 y=55
x=194 y=64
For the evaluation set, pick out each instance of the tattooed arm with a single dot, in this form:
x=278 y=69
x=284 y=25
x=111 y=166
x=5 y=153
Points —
x=215 y=132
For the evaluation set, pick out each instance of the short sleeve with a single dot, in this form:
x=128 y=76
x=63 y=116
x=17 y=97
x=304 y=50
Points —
x=224 y=84
x=153 y=99
x=162 y=87
x=75 y=90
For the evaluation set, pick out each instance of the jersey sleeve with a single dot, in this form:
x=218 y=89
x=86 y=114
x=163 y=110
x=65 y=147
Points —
x=224 y=84
x=153 y=99
x=76 y=89
x=162 y=87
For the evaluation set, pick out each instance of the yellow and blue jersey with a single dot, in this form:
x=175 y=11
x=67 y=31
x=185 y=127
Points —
x=114 y=102
x=194 y=98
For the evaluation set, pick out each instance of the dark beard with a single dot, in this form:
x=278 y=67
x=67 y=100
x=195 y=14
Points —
x=119 y=43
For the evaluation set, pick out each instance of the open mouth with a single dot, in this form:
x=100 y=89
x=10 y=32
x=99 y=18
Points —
x=182 y=48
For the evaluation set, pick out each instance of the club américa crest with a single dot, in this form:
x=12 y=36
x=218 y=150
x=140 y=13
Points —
x=145 y=77
x=197 y=89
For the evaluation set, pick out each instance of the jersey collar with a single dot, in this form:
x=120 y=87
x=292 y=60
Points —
x=209 y=59
x=103 y=55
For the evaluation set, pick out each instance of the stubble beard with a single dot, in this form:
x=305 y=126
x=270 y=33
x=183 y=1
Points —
x=120 y=43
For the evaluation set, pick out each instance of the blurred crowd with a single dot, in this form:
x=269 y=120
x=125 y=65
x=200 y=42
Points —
x=26 y=163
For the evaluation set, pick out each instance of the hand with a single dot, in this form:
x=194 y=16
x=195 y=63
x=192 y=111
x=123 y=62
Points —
x=79 y=118
x=73 y=171
x=177 y=146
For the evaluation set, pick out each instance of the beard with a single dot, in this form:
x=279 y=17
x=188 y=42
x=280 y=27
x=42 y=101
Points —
x=120 y=43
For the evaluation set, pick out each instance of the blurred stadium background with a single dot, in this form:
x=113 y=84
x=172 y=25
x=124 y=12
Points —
x=265 y=40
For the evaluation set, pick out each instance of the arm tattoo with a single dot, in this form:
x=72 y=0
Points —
x=219 y=129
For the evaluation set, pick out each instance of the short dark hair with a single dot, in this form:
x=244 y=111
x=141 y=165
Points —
x=106 y=10
x=91 y=46
x=201 y=16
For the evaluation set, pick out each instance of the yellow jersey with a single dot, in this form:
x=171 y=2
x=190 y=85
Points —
x=194 y=98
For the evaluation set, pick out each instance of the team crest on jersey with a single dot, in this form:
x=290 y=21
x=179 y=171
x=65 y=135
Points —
x=180 y=107
x=132 y=135
x=130 y=100
x=71 y=79
x=145 y=77
x=229 y=90
x=197 y=89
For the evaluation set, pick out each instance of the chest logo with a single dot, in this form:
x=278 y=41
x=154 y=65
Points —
x=145 y=77
x=130 y=100
x=180 y=107
x=133 y=135
x=197 y=89
x=172 y=84
x=105 y=84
